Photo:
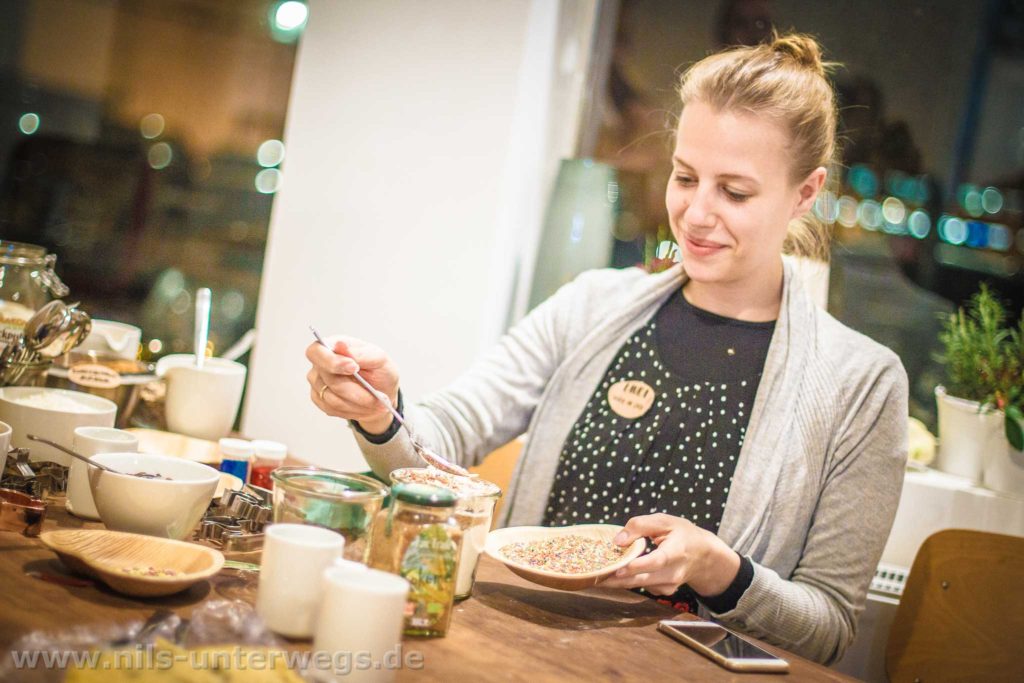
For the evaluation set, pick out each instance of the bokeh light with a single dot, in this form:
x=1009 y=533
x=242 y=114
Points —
x=232 y=304
x=826 y=207
x=999 y=237
x=160 y=155
x=151 y=126
x=969 y=197
x=270 y=153
x=291 y=15
x=863 y=180
x=919 y=224
x=893 y=210
x=869 y=214
x=992 y=200
x=28 y=123
x=268 y=181
x=952 y=229
x=847 y=211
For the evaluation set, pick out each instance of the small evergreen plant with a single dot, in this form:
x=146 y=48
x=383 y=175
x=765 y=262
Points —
x=984 y=359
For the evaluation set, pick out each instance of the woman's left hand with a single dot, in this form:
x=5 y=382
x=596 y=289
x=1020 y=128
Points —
x=685 y=554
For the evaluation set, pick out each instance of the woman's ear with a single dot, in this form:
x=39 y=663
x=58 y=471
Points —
x=808 y=191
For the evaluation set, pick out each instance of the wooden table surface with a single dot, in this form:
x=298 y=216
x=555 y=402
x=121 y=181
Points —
x=509 y=630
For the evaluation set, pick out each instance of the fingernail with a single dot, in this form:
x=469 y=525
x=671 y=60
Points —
x=622 y=537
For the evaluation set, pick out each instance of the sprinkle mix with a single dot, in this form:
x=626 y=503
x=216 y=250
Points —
x=460 y=486
x=565 y=554
x=149 y=571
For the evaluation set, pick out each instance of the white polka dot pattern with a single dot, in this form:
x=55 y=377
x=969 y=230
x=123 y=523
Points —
x=678 y=458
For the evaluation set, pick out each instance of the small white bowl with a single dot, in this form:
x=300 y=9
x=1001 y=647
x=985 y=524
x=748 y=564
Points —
x=155 y=507
x=55 y=424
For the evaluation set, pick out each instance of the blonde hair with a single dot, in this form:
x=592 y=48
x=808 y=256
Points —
x=785 y=80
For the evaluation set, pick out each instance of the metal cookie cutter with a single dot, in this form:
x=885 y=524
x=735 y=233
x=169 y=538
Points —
x=247 y=507
x=219 y=528
x=21 y=512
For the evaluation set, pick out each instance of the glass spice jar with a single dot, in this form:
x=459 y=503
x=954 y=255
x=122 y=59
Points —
x=27 y=283
x=419 y=539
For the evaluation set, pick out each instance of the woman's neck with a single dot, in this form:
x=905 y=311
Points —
x=750 y=301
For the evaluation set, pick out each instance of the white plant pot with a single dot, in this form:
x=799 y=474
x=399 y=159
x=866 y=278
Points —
x=967 y=435
x=1003 y=469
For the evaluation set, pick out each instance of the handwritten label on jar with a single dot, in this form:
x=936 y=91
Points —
x=630 y=398
x=94 y=376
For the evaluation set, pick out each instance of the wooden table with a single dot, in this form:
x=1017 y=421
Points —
x=509 y=630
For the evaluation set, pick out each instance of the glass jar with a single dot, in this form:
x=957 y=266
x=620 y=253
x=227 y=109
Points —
x=474 y=511
x=267 y=457
x=27 y=282
x=235 y=456
x=346 y=503
x=418 y=538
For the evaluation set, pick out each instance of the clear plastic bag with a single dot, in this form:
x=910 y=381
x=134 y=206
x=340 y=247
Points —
x=46 y=656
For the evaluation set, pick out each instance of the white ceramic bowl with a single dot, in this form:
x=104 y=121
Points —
x=56 y=423
x=109 y=337
x=155 y=507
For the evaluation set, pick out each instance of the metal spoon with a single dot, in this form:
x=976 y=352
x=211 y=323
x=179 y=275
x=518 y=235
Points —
x=425 y=453
x=45 y=326
x=87 y=461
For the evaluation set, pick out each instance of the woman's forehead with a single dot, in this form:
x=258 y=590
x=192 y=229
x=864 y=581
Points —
x=729 y=142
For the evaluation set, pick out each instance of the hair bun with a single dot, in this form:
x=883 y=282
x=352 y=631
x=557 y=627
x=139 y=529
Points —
x=801 y=47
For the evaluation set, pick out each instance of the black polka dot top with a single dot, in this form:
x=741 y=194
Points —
x=679 y=456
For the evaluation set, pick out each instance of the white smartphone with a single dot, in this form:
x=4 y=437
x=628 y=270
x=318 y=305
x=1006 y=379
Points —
x=723 y=647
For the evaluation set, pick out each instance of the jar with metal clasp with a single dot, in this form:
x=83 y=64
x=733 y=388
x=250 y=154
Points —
x=27 y=282
x=419 y=539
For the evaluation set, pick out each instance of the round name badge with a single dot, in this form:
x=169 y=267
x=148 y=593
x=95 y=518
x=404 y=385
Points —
x=630 y=398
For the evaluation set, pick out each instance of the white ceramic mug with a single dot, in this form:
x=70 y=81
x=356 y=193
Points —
x=291 y=576
x=360 y=621
x=5 y=443
x=201 y=402
x=90 y=441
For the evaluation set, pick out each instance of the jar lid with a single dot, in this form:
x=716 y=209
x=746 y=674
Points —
x=423 y=494
x=269 y=450
x=235 y=449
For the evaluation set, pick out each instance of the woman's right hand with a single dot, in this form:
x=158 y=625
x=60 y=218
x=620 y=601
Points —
x=336 y=393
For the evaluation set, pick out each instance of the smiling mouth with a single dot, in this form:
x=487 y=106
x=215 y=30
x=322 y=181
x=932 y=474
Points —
x=703 y=246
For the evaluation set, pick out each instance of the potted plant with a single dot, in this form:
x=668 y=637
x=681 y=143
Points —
x=981 y=408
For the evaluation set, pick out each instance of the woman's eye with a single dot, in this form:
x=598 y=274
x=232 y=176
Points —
x=685 y=180
x=736 y=196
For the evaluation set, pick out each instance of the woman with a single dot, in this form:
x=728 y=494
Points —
x=712 y=408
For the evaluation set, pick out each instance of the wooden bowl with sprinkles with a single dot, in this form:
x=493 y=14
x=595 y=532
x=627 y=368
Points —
x=140 y=566
x=569 y=558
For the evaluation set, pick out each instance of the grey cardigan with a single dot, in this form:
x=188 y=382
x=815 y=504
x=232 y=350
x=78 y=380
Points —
x=818 y=478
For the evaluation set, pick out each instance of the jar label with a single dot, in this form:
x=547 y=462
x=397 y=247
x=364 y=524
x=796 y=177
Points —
x=429 y=566
x=13 y=317
x=94 y=376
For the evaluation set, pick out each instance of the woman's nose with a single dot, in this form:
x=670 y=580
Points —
x=699 y=213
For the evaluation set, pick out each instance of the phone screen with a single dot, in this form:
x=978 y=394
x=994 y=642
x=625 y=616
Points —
x=718 y=639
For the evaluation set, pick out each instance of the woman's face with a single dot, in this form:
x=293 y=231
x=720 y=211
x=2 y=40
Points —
x=730 y=197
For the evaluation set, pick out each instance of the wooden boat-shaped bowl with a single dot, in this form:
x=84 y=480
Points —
x=499 y=538
x=106 y=555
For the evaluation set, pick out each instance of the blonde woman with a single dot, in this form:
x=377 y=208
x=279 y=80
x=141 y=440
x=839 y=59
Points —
x=713 y=408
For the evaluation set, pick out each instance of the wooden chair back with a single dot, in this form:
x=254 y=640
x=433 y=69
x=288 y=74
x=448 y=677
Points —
x=961 y=616
x=498 y=466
